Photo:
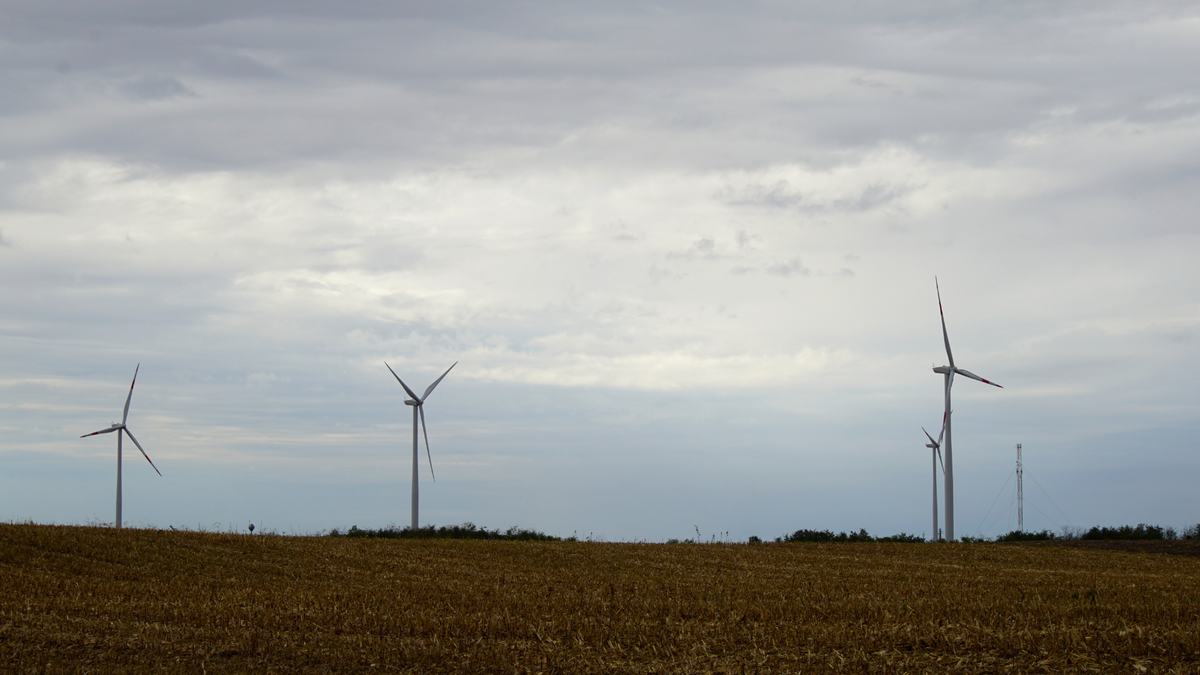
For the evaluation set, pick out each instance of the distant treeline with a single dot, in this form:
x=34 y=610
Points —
x=1124 y=532
x=1142 y=531
x=473 y=531
x=860 y=536
x=464 y=531
x=1128 y=532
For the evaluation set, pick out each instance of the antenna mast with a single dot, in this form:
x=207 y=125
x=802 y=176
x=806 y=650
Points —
x=1020 y=493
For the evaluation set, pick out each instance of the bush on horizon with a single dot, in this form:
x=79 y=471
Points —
x=1021 y=535
x=842 y=537
x=464 y=531
x=1125 y=532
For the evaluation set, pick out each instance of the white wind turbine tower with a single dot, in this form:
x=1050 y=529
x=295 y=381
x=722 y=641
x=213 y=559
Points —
x=120 y=429
x=418 y=403
x=937 y=455
x=949 y=372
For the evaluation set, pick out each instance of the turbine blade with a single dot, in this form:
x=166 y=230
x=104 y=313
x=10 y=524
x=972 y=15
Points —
x=410 y=391
x=945 y=335
x=935 y=443
x=102 y=431
x=939 y=456
x=973 y=376
x=125 y=416
x=422 y=409
x=139 y=447
x=435 y=382
x=943 y=431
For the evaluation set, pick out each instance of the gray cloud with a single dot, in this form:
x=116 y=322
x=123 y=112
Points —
x=781 y=195
x=704 y=248
x=778 y=195
x=154 y=88
x=423 y=84
x=789 y=268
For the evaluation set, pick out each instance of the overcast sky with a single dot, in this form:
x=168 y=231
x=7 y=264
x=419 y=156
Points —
x=683 y=253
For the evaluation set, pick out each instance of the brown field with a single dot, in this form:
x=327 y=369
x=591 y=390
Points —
x=85 y=599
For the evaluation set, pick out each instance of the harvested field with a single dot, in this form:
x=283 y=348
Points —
x=1188 y=547
x=79 y=599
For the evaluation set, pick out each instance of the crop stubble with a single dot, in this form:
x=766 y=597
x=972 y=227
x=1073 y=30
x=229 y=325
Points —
x=98 y=600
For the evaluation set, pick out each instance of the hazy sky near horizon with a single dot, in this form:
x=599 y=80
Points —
x=683 y=253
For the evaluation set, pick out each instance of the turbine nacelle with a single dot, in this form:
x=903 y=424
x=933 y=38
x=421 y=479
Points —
x=943 y=370
x=412 y=402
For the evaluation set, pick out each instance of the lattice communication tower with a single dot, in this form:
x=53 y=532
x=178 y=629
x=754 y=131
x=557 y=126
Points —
x=1020 y=493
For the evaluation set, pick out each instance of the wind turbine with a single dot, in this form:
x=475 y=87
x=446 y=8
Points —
x=949 y=372
x=121 y=428
x=418 y=403
x=937 y=455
